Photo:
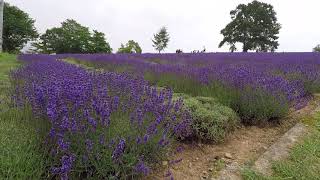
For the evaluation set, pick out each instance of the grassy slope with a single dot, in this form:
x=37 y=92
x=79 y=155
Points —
x=20 y=157
x=304 y=160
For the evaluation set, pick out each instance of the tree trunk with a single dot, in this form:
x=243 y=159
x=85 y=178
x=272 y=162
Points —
x=245 y=48
x=1 y=23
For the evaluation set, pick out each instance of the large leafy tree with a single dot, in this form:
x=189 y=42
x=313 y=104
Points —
x=50 y=42
x=317 y=48
x=18 y=29
x=130 y=47
x=254 y=25
x=98 y=43
x=72 y=37
x=161 y=39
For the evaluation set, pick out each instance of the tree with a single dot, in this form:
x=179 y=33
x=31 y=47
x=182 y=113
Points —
x=161 y=39
x=130 y=47
x=98 y=43
x=50 y=42
x=72 y=37
x=254 y=25
x=232 y=47
x=18 y=29
x=317 y=48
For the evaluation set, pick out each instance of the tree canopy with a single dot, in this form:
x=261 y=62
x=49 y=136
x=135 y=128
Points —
x=130 y=47
x=98 y=43
x=254 y=25
x=161 y=39
x=317 y=48
x=18 y=29
x=72 y=37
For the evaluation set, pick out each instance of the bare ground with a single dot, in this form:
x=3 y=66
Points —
x=243 y=147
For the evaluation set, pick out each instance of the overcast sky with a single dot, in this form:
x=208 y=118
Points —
x=192 y=24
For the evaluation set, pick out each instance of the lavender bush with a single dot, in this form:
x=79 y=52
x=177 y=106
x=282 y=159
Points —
x=258 y=86
x=212 y=122
x=102 y=125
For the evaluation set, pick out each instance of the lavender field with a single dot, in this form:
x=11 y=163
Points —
x=117 y=116
x=152 y=90
x=259 y=86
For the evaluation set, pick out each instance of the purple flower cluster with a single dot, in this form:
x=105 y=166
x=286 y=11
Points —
x=98 y=117
x=290 y=75
x=119 y=150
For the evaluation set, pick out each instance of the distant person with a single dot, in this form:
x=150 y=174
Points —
x=179 y=51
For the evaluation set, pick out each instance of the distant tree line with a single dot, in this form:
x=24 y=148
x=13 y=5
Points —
x=254 y=25
x=72 y=37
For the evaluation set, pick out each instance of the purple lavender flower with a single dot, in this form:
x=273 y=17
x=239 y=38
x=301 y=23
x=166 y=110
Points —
x=65 y=123
x=66 y=165
x=146 y=138
x=92 y=122
x=138 y=140
x=116 y=101
x=102 y=139
x=142 y=168
x=179 y=149
x=63 y=145
x=89 y=145
x=117 y=153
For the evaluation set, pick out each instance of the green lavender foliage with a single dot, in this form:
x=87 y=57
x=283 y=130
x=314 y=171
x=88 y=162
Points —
x=212 y=121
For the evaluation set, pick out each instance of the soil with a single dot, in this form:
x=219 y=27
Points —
x=243 y=147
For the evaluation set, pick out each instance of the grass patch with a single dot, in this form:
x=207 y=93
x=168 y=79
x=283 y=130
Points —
x=110 y=67
x=20 y=143
x=21 y=156
x=7 y=63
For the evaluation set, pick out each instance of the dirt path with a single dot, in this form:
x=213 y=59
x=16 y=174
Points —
x=243 y=147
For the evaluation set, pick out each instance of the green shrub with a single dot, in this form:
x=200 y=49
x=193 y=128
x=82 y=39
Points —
x=212 y=121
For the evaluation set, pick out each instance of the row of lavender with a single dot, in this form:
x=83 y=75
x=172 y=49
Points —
x=102 y=125
x=260 y=86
